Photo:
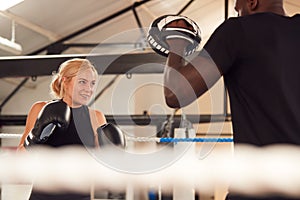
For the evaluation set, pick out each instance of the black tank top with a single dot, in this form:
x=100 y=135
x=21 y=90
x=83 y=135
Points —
x=79 y=131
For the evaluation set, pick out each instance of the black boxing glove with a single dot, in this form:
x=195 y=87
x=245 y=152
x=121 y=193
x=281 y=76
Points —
x=55 y=114
x=109 y=134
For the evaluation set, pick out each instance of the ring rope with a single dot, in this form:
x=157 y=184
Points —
x=251 y=170
x=10 y=135
x=175 y=140
x=146 y=139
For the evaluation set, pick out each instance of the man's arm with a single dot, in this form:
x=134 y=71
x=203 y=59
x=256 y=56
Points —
x=185 y=81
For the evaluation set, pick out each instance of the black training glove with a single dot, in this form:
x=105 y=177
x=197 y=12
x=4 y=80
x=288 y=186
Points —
x=55 y=114
x=110 y=134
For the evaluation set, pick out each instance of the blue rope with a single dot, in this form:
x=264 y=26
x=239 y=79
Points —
x=195 y=140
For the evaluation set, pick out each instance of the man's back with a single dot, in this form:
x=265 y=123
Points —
x=261 y=68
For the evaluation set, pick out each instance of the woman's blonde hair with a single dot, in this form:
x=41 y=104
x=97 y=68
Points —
x=68 y=70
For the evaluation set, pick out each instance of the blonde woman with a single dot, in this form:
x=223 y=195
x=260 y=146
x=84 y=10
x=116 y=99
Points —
x=66 y=120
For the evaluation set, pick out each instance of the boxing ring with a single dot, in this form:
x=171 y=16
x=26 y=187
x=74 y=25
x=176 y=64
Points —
x=249 y=170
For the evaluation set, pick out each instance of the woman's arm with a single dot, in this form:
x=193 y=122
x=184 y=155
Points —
x=30 y=121
x=97 y=120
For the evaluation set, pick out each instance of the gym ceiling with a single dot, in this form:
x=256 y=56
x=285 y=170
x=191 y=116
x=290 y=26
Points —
x=50 y=31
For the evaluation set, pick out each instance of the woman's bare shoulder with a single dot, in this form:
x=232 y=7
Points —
x=99 y=115
x=37 y=106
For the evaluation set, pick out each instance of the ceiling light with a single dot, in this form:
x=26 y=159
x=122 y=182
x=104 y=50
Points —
x=5 y=4
x=10 y=46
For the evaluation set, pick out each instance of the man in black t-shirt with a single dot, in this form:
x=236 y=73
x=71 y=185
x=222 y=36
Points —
x=257 y=53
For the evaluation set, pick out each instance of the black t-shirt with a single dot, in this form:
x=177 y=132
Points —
x=259 y=57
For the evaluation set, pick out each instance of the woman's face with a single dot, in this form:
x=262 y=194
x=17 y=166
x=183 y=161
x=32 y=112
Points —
x=81 y=88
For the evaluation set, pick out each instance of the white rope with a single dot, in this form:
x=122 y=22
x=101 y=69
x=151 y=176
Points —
x=10 y=135
x=143 y=139
x=268 y=170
